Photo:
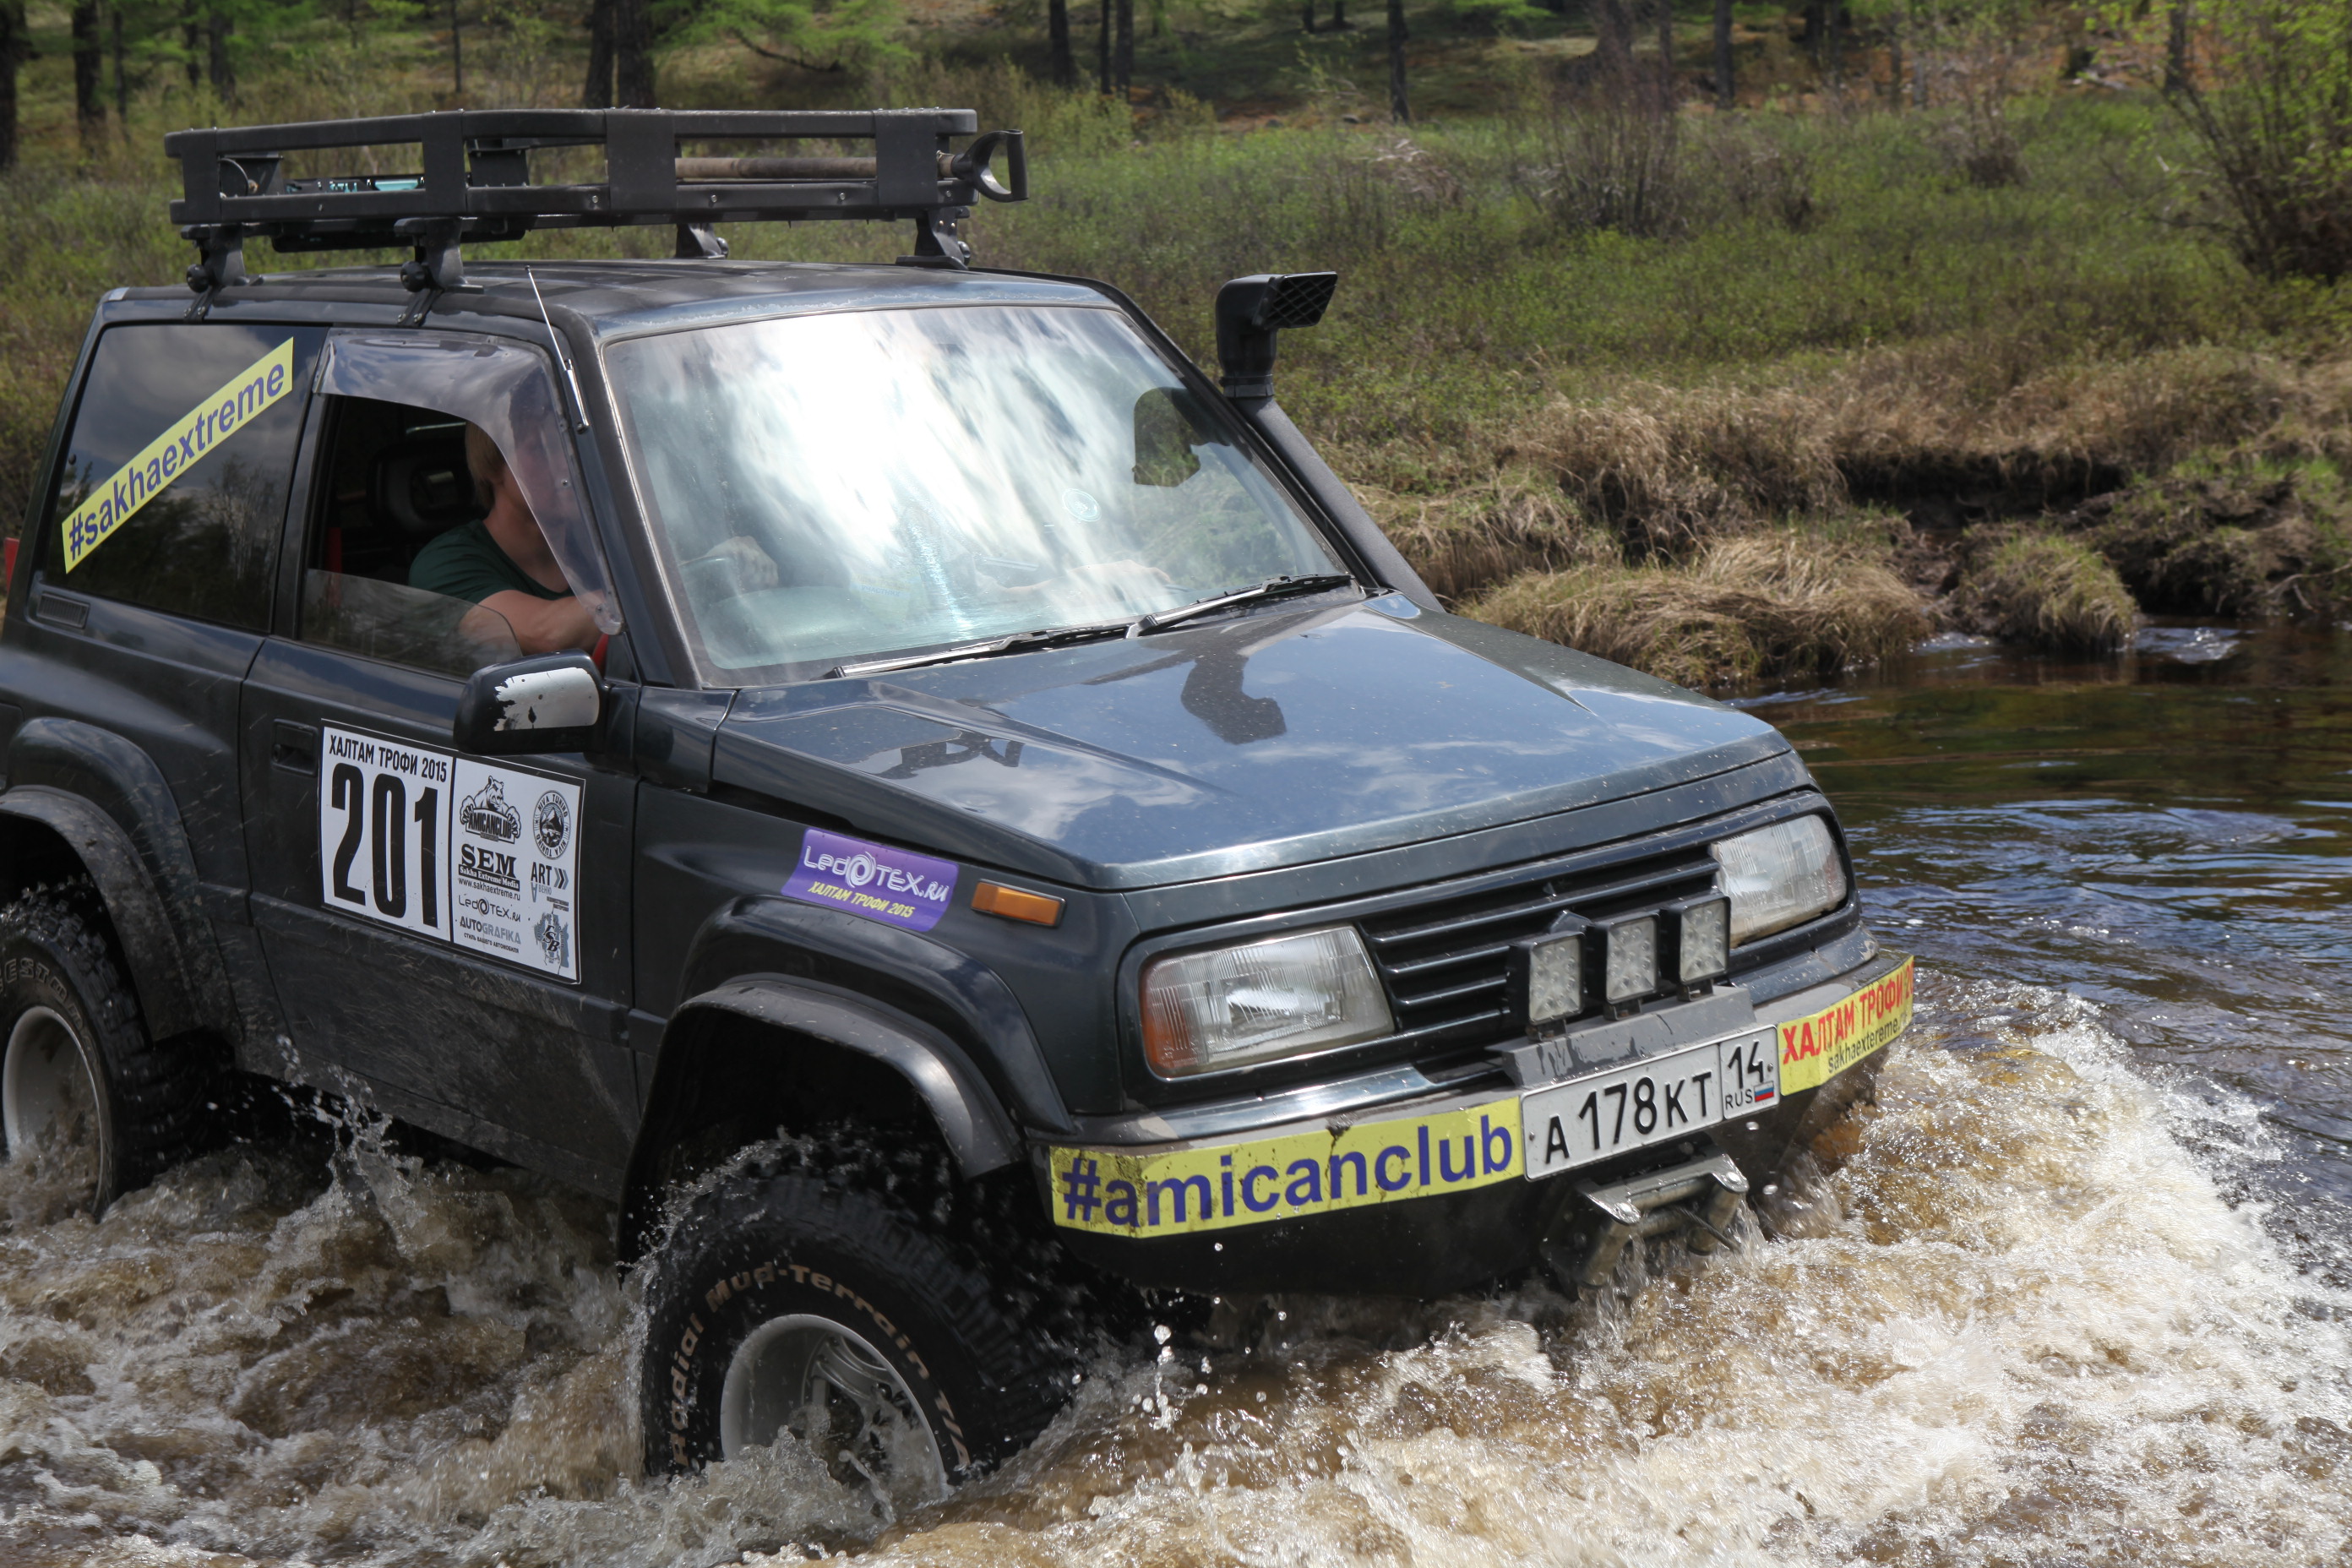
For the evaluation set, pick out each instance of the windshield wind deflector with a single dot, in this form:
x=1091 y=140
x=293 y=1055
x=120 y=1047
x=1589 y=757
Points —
x=891 y=488
x=508 y=389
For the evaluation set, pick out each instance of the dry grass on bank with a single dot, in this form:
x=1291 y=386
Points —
x=1666 y=466
x=2048 y=593
x=1768 y=603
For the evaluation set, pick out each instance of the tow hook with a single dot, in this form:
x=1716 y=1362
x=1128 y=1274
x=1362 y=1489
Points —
x=1701 y=1198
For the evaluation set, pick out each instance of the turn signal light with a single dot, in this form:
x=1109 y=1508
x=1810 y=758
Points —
x=1017 y=904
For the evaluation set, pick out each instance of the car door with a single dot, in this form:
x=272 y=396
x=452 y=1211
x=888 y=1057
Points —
x=154 y=552
x=448 y=934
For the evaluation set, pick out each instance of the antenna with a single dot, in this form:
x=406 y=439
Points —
x=555 y=340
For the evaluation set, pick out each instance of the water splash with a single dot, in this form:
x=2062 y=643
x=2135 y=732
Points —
x=2021 y=1319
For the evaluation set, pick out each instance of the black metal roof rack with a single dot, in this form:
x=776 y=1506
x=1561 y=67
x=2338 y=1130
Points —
x=473 y=182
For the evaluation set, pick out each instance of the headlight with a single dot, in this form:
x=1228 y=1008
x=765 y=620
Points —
x=1778 y=876
x=1203 y=1012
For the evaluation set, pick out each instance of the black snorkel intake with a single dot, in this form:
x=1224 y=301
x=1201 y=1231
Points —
x=1250 y=310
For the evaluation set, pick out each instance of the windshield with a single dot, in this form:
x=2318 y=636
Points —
x=840 y=487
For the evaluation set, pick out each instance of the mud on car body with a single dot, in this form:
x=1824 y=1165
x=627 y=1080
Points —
x=1016 y=831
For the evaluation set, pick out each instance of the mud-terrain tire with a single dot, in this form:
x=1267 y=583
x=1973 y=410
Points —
x=774 y=1256
x=66 y=1009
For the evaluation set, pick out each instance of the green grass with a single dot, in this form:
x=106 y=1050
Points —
x=1827 y=283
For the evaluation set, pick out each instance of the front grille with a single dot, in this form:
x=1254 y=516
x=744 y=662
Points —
x=1444 y=962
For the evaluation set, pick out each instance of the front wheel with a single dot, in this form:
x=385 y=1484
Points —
x=786 y=1304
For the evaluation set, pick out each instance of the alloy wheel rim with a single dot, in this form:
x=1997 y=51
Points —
x=831 y=1389
x=48 y=1102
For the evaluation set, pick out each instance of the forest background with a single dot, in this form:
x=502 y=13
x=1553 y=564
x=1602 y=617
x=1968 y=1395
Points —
x=1732 y=341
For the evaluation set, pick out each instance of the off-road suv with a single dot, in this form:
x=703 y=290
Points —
x=1002 y=827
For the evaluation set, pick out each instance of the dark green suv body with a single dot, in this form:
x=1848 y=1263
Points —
x=1015 y=829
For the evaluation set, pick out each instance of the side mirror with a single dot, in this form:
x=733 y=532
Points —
x=1166 y=431
x=552 y=704
x=1250 y=310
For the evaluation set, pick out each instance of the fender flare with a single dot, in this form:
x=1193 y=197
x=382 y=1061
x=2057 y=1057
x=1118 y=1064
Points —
x=978 y=1135
x=121 y=782
x=151 y=944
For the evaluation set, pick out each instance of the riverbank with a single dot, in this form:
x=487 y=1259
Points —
x=1838 y=380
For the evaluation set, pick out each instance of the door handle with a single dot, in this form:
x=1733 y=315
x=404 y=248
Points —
x=294 y=747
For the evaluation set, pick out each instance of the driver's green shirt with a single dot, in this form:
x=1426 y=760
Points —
x=466 y=564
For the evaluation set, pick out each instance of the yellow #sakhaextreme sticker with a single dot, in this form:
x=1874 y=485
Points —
x=1285 y=1178
x=240 y=399
x=1815 y=1049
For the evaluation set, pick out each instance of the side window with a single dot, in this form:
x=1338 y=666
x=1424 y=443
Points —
x=394 y=478
x=173 y=491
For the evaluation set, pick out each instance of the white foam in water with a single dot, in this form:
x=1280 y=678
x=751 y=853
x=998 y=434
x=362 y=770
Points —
x=2025 y=1326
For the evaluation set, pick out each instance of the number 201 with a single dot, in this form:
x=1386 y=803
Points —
x=378 y=818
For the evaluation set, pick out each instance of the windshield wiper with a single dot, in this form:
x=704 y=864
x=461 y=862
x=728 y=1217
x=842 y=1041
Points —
x=1272 y=588
x=1019 y=642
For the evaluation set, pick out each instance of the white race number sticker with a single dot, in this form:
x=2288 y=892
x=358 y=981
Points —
x=384 y=831
x=483 y=857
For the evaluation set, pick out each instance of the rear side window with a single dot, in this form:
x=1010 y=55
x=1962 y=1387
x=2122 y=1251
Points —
x=173 y=491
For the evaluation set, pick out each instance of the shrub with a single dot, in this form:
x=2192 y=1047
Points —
x=2049 y=594
x=1773 y=604
x=2277 y=131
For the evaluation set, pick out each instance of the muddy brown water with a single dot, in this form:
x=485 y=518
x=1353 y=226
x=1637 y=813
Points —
x=2075 y=1292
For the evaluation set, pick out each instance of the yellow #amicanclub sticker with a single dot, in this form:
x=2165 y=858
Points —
x=1285 y=1178
x=239 y=401
x=1815 y=1049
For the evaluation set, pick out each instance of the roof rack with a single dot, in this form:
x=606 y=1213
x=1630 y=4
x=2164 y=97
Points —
x=473 y=182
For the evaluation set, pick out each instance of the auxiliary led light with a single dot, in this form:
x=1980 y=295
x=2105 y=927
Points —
x=1702 y=939
x=1629 y=958
x=1548 y=977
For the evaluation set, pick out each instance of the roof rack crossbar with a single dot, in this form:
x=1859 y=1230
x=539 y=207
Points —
x=473 y=180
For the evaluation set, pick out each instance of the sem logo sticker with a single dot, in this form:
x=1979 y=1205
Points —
x=896 y=887
x=118 y=498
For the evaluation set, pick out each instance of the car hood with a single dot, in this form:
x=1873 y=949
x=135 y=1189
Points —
x=1274 y=739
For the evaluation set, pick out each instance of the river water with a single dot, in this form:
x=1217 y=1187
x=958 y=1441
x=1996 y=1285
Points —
x=2077 y=1288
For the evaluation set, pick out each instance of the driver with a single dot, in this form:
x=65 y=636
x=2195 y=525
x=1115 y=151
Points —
x=502 y=562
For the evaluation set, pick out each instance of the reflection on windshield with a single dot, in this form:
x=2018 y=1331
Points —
x=925 y=477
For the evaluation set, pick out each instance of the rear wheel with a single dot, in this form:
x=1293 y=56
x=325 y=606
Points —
x=787 y=1302
x=88 y=1102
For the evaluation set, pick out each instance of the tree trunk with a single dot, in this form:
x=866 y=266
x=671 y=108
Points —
x=217 y=29
x=1102 y=49
x=16 y=48
x=1895 y=66
x=1816 y=25
x=598 y=91
x=1666 y=93
x=2176 y=49
x=1058 y=34
x=90 y=75
x=1307 y=16
x=1400 y=109
x=1123 y=59
x=1615 y=49
x=457 y=53
x=633 y=54
x=1726 y=87
x=122 y=81
x=1339 y=14
x=190 y=29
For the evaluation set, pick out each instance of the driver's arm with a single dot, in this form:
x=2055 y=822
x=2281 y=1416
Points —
x=545 y=625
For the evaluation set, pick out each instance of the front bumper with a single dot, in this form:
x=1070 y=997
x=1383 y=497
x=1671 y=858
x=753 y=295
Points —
x=1429 y=1196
